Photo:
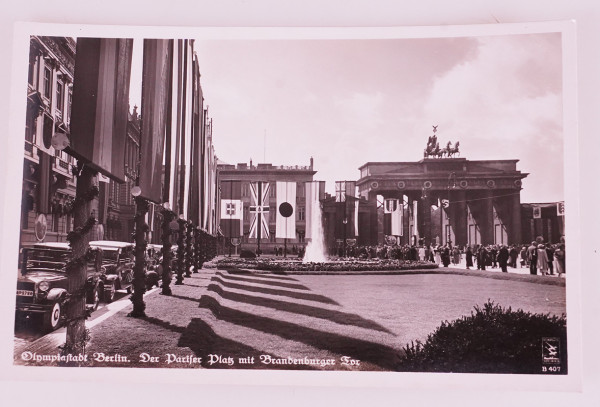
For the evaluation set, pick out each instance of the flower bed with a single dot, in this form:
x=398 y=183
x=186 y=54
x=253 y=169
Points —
x=332 y=266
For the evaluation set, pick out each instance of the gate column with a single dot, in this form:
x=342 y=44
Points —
x=459 y=218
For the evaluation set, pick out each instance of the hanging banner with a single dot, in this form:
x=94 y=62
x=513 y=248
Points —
x=356 y=212
x=259 y=210
x=156 y=74
x=285 y=226
x=537 y=212
x=314 y=192
x=340 y=191
x=231 y=209
x=394 y=208
x=100 y=104
x=560 y=209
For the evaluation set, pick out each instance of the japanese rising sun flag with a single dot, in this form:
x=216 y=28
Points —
x=285 y=226
x=259 y=210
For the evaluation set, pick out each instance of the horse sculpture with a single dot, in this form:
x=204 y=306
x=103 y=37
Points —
x=451 y=151
x=437 y=152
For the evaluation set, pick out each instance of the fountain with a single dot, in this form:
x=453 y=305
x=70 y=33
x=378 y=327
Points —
x=315 y=250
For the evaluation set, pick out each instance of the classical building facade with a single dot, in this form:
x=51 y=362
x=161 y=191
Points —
x=543 y=219
x=48 y=182
x=243 y=175
x=447 y=200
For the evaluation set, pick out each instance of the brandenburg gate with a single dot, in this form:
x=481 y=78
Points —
x=446 y=199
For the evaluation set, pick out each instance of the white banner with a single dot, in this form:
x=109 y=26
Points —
x=312 y=206
x=356 y=212
x=285 y=227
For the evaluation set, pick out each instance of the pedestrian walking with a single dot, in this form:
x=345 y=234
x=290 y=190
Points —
x=503 y=257
x=550 y=254
x=532 y=254
x=514 y=254
x=469 y=257
x=559 y=259
x=542 y=260
x=482 y=257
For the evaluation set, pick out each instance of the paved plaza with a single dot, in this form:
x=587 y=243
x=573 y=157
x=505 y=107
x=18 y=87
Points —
x=224 y=320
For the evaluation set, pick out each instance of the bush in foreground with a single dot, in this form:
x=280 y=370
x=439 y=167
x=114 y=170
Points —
x=492 y=340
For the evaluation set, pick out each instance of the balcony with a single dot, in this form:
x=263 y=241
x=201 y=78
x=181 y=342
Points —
x=31 y=152
x=62 y=167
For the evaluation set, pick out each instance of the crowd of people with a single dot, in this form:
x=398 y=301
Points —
x=547 y=259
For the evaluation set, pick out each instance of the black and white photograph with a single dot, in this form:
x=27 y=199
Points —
x=197 y=204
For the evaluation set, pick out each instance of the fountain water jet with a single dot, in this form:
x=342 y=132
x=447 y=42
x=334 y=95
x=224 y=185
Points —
x=315 y=250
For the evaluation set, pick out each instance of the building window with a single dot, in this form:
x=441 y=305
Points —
x=30 y=126
x=245 y=189
x=59 y=96
x=301 y=213
x=300 y=189
x=69 y=103
x=47 y=82
x=31 y=74
x=272 y=189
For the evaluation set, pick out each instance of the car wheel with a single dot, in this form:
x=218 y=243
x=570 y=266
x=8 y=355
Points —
x=109 y=294
x=52 y=318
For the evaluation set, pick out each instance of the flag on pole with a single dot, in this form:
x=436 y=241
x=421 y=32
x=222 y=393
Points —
x=356 y=212
x=231 y=210
x=155 y=87
x=285 y=226
x=340 y=191
x=259 y=210
x=315 y=190
x=416 y=219
x=395 y=209
x=100 y=104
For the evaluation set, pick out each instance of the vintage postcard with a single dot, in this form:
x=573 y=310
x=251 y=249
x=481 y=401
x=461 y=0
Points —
x=208 y=204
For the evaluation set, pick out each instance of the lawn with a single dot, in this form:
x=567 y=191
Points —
x=231 y=321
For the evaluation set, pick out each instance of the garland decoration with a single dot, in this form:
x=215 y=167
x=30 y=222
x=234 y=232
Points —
x=168 y=217
x=189 y=253
x=180 y=252
x=78 y=233
x=71 y=206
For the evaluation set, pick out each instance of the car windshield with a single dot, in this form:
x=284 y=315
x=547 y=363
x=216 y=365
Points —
x=47 y=259
x=110 y=255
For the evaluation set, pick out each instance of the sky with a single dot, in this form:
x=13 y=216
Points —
x=348 y=102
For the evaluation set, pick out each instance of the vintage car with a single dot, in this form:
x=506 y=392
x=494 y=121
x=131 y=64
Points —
x=42 y=285
x=118 y=261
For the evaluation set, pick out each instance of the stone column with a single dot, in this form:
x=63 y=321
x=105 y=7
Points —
x=514 y=233
x=458 y=218
x=424 y=219
x=487 y=224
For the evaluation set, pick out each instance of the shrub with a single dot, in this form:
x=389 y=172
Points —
x=247 y=254
x=492 y=340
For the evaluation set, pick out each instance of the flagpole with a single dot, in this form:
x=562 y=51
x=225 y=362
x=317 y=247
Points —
x=259 y=203
x=230 y=216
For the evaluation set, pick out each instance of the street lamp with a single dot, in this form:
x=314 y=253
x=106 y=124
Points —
x=345 y=222
x=451 y=185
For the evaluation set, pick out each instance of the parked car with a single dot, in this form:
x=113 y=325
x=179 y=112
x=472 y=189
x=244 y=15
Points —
x=118 y=261
x=42 y=284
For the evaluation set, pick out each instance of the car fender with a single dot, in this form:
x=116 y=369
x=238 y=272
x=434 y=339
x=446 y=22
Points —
x=56 y=294
x=111 y=278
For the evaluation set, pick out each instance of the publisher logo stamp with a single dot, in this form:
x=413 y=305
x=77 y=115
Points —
x=551 y=350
